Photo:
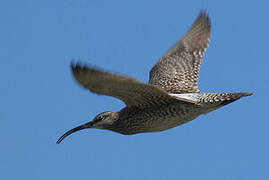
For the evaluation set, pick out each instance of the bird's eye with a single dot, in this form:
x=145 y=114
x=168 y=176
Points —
x=100 y=118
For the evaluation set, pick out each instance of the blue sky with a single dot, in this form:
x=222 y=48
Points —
x=40 y=99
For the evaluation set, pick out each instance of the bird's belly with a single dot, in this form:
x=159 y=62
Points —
x=158 y=119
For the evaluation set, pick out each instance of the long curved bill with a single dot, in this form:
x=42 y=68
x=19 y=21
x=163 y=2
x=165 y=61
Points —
x=84 y=126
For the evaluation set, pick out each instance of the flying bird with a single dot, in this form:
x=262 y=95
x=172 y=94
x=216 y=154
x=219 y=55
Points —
x=171 y=97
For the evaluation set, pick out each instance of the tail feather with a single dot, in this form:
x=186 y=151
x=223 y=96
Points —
x=222 y=98
x=213 y=101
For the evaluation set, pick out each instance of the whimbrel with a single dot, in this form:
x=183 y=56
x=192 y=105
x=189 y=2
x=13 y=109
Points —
x=171 y=97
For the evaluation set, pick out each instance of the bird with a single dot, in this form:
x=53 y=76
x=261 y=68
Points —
x=170 y=98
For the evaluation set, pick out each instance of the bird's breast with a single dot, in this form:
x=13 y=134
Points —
x=157 y=118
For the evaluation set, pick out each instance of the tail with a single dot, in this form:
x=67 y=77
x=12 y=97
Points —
x=213 y=101
x=221 y=98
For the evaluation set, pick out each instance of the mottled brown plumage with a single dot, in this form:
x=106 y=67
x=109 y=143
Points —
x=171 y=97
x=178 y=70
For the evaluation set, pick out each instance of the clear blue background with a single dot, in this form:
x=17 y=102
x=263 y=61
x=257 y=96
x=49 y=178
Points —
x=39 y=99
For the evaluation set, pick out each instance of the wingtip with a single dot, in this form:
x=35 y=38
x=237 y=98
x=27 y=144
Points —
x=204 y=15
x=249 y=94
x=74 y=66
x=203 y=12
x=77 y=66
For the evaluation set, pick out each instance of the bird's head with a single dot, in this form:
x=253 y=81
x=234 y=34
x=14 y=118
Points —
x=102 y=121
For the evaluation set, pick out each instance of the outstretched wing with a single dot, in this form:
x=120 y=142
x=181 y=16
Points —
x=129 y=90
x=178 y=70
